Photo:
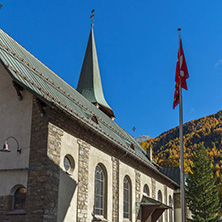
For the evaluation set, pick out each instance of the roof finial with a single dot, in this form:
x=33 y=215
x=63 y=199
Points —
x=92 y=16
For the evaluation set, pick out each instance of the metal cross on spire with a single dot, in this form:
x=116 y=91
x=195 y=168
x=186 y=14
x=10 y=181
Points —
x=92 y=16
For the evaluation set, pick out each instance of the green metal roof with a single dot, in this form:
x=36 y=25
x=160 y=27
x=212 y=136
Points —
x=90 y=85
x=150 y=201
x=173 y=173
x=33 y=75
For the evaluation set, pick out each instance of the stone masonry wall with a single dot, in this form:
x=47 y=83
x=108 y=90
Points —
x=153 y=181
x=177 y=203
x=87 y=138
x=6 y=215
x=115 y=213
x=43 y=181
x=5 y=206
x=43 y=178
x=35 y=201
x=52 y=172
x=138 y=194
x=82 y=195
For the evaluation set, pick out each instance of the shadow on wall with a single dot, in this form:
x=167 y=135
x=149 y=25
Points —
x=50 y=191
x=67 y=190
x=49 y=180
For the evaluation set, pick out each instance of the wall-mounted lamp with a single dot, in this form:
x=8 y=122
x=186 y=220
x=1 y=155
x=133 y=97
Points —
x=6 y=148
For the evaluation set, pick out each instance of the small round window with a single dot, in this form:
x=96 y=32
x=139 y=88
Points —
x=69 y=163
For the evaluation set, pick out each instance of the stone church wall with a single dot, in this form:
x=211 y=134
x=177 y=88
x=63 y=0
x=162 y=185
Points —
x=53 y=194
x=88 y=150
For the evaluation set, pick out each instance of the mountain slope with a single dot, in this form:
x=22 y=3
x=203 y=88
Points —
x=206 y=130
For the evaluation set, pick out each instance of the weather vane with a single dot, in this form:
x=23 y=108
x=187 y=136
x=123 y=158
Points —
x=92 y=16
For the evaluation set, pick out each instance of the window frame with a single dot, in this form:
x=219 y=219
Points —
x=171 y=209
x=15 y=200
x=146 y=193
x=97 y=183
x=160 y=198
x=68 y=161
x=127 y=189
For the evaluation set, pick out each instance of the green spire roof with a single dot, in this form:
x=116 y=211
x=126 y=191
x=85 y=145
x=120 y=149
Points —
x=90 y=85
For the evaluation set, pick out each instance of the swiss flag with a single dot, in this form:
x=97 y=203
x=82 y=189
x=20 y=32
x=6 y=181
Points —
x=176 y=99
x=181 y=69
x=180 y=76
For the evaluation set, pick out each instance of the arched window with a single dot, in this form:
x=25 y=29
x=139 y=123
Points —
x=160 y=198
x=100 y=191
x=146 y=190
x=19 y=198
x=127 y=198
x=170 y=210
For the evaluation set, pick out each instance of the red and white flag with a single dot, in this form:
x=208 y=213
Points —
x=181 y=75
x=176 y=99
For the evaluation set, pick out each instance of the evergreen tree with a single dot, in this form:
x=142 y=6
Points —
x=202 y=192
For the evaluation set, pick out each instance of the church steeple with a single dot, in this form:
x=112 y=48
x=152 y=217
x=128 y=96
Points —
x=90 y=85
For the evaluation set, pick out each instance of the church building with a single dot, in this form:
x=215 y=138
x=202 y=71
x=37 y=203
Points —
x=63 y=157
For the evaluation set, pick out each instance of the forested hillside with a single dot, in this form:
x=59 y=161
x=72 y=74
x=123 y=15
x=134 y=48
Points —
x=206 y=130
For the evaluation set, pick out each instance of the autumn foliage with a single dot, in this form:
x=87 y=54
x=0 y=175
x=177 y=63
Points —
x=206 y=130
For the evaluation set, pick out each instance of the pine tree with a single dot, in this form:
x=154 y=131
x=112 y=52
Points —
x=202 y=192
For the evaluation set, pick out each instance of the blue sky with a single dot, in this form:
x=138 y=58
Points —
x=137 y=43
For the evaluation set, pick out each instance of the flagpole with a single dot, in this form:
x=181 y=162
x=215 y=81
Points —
x=182 y=184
